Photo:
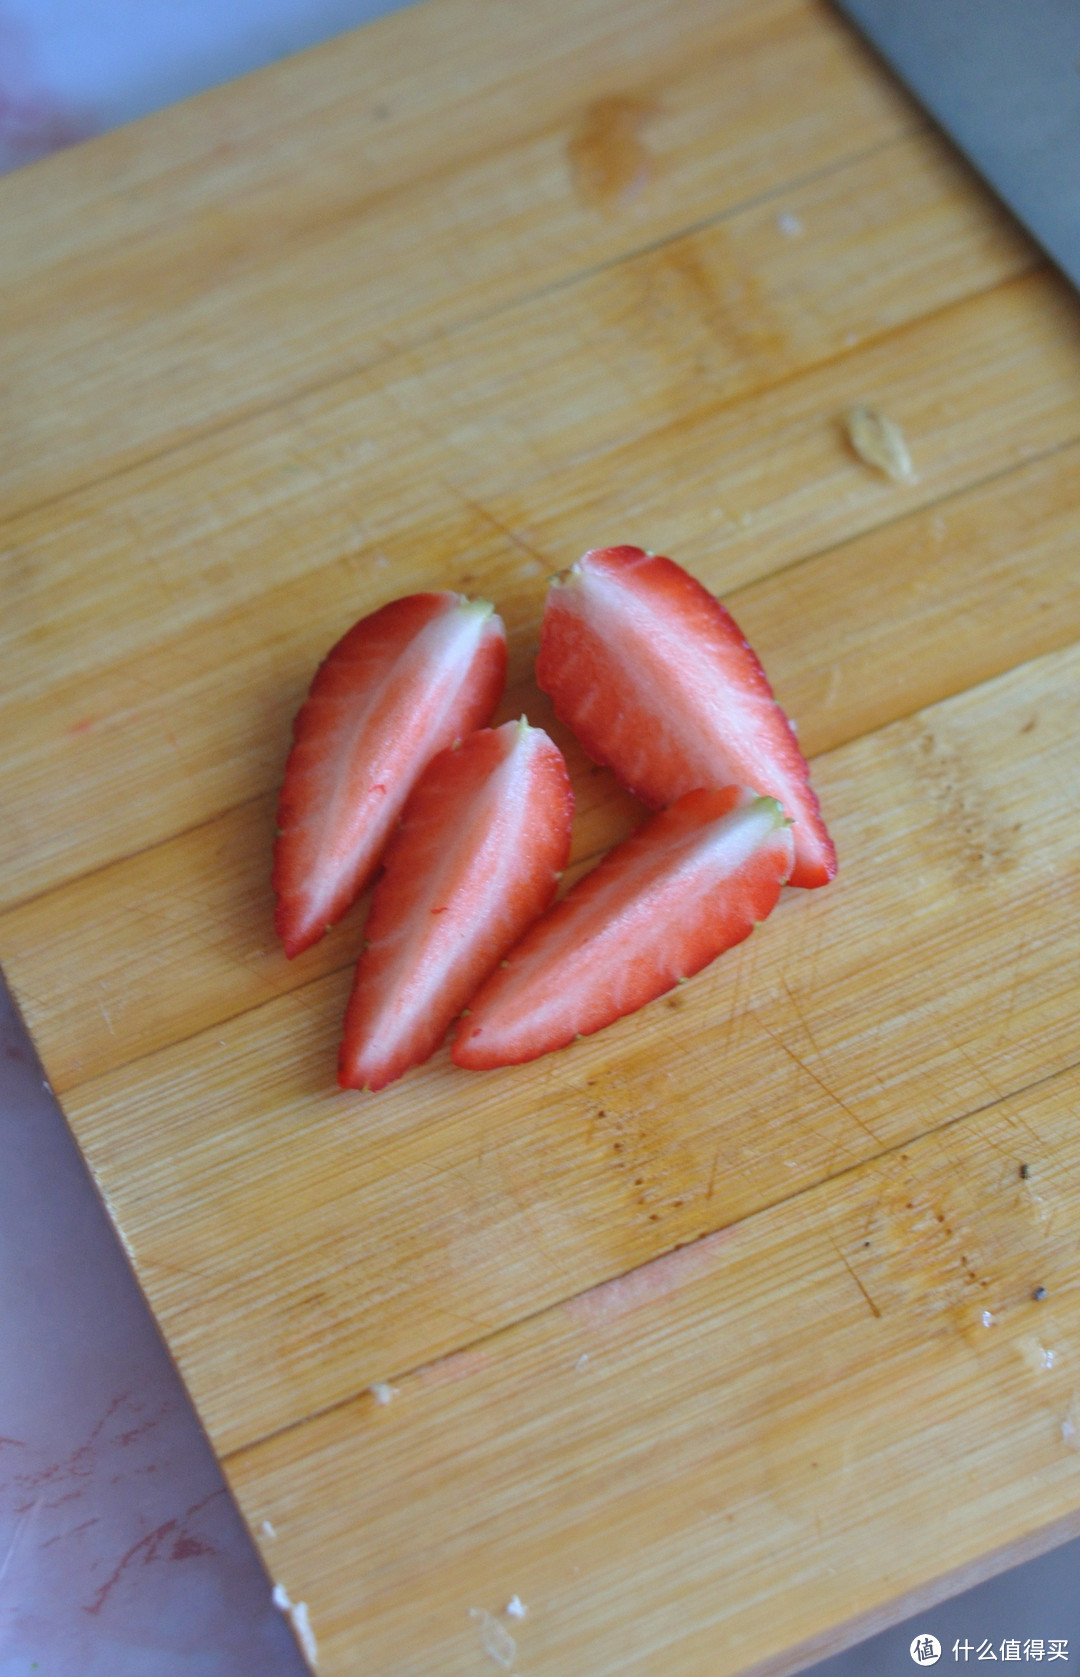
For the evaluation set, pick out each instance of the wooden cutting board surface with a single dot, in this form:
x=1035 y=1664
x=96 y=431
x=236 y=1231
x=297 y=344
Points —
x=712 y=1338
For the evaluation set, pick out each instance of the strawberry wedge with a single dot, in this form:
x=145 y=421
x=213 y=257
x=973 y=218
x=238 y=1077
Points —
x=690 y=883
x=657 y=682
x=484 y=836
x=403 y=684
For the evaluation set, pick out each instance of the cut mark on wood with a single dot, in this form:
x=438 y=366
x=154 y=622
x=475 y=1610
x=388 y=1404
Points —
x=610 y=163
x=873 y=1307
x=801 y=1063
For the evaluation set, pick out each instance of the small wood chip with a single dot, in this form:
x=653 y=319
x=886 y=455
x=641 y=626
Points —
x=881 y=443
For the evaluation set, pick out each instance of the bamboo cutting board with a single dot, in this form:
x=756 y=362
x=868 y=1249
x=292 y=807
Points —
x=713 y=1338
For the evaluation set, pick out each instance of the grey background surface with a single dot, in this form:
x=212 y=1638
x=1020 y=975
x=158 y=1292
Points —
x=1002 y=77
x=122 y=1553
x=1039 y=1600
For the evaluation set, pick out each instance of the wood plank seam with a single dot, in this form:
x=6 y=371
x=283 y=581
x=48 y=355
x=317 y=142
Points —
x=670 y=57
x=891 y=521
x=953 y=806
x=887 y=521
x=769 y=387
x=800 y=1194
x=245 y=414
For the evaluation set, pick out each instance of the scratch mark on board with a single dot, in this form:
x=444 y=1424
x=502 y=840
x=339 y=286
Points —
x=820 y=1081
x=873 y=1307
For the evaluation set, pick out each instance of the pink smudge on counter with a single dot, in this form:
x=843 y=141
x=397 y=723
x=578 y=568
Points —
x=186 y=1545
x=34 y=118
x=62 y=1536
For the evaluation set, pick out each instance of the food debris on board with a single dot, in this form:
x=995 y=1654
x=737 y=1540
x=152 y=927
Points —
x=1070 y=1426
x=383 y=1392
x=495 y=1639
x=515 y=1608
x=267 y=1529
x=393 y=768
x=297 y=1614
x=880 y=442
x=1039 y=1357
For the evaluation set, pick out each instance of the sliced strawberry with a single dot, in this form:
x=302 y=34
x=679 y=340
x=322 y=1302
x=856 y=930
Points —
x=483 y=838
x=688 y=885
x=400 y=686
x=657 y=681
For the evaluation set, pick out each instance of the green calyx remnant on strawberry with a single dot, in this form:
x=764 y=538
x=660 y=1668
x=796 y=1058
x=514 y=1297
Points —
x=690 y=883
x=400 y=686
x=474 y=861
x=658 y=683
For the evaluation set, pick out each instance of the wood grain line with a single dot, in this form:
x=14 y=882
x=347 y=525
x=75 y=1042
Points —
x=317 y=226
x=808 y=1191
x=732 y=1411
x=401 y=352
x=210 y=887
x=839 y=497
x=541 y=1179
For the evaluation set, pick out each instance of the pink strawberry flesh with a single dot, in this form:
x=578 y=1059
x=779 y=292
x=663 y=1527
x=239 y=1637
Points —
x=657 y=682
x=690 y=883
x=483 y=838
x=402 y=685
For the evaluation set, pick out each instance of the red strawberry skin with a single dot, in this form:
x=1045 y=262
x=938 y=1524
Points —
x=402 y=685
x=658 y=683
x=690 y=883
x=482 y=841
